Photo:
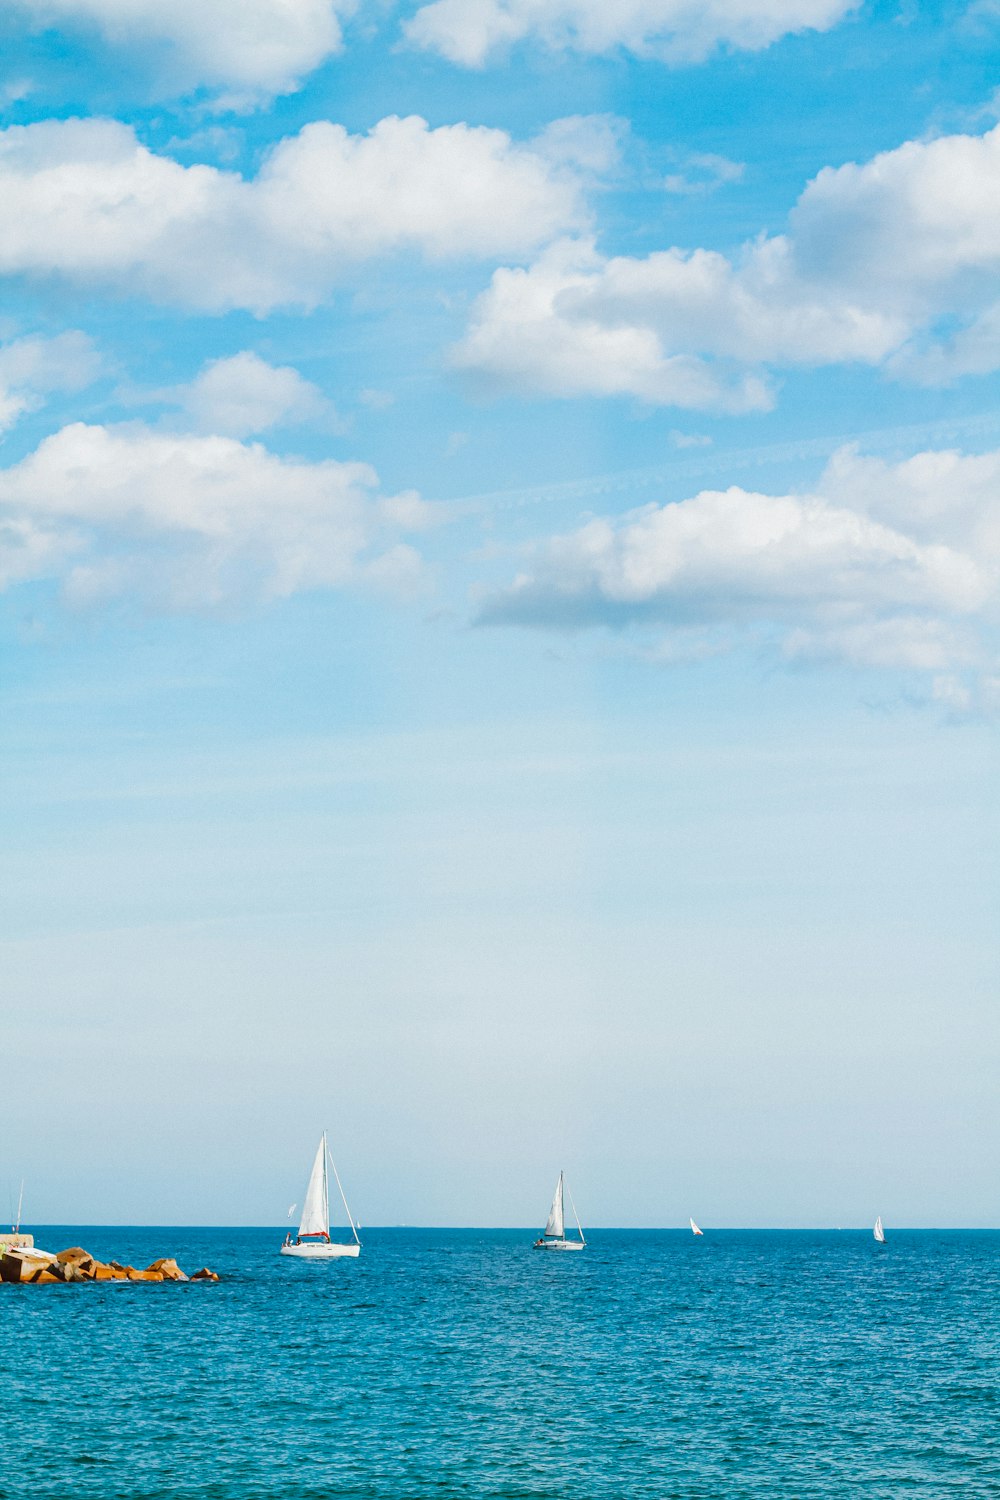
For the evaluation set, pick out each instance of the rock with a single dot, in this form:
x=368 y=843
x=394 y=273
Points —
x=108 y=1273
x=204 y=1275
x=17 y=1268
x=30 y=1267
x=169 y=1268
x=146 y=1276
x=45 y=1275
x=81 y=1260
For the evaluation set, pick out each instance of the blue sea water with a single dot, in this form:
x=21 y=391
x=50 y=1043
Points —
x=458 y=1363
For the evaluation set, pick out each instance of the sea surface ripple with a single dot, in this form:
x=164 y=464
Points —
x=458 y=1363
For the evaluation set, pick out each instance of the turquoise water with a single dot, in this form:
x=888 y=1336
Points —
x=457 y=1363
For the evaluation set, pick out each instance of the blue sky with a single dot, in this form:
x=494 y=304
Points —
x=499 y=543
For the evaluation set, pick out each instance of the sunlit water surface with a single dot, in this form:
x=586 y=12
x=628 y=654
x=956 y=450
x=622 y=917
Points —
x=454 y=1363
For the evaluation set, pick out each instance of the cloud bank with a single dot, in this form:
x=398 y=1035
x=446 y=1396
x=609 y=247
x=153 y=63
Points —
x=471 y=32
x=890 y=565
x=85 y=200
x=876 y=257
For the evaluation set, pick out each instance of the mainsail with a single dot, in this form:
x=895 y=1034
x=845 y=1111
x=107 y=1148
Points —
x=316 y=1208
x=694 y=1227
x=878 y=1231
x=555 y=1228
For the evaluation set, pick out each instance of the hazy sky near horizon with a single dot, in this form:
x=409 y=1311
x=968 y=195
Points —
x=499 y=547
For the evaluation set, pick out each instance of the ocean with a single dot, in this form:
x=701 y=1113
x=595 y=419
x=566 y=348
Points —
x=458 y=1363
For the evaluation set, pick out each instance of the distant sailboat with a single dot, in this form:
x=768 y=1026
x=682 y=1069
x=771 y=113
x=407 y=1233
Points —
x=878 y=1231
x=313 y=1241
x=553 y=1236
x=694 y=1227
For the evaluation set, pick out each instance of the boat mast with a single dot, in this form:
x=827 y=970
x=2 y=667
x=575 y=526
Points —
x=326 y=1188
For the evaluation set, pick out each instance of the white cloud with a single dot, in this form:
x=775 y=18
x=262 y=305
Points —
x=34 y=367
x=471 y=31
x=590 y=143
x=703 y=172
x=874 y=257
x=244 y=395
x=889 y=565
x=191 y=521
x=85 y=200
x=543 y=329
x=257 y=48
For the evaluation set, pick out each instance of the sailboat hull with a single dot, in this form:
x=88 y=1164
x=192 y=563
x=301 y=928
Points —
x=321 y=1251
x=558 y=1245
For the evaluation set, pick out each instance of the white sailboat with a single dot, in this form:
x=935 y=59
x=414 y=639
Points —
x=553 y=1236
x=694 y=1227
x=878 y=1231
x=313 y=1241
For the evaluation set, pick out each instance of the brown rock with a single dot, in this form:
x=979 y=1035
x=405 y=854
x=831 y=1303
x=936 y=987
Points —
x=14 y=1268
x=82 y=1260
x=108 y=1273
x=204 y=1275
x=169 y=1268
x=20 y=1265
x=26 y=1267
x=146 y=1276
x=45 y=1275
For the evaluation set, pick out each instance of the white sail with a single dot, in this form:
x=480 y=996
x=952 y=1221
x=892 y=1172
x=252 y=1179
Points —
x=694 y=1227
x=556 y=1225
x=878 y=1231
x=316 y=1208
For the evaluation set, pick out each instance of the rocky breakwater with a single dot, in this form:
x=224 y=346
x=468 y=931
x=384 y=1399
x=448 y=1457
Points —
x=38 y=1267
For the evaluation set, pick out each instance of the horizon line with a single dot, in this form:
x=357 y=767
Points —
x=865 y=1228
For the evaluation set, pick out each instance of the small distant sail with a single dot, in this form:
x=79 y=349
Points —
x=878 y=1231
x=694 y=1227
x=291 y=1210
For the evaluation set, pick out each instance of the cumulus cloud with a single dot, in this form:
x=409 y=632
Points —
x=874 y=258
x=470 y=32
x=34 y=367
x=254 y=48
x=83 y=199
x=543 y=329
x=243 y=395
x=890 y=565
x=189 y=521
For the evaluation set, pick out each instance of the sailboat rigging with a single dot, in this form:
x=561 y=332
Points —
x=313 y=1241
x=553 y=1236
